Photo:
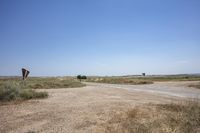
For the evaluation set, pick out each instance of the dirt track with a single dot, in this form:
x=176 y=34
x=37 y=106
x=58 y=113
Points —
x=85 y=109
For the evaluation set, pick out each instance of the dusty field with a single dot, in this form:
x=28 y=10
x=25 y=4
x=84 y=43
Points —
x=86 y=109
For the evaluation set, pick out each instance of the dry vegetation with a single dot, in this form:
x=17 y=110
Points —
x=137 y=80
x=169 y=78
x=111 y=80
x=46 y=83
x=182 y=117
x=16 y=89
x=12 y=90
x=195 y=85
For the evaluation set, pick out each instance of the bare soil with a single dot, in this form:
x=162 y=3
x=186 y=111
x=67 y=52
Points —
x=86 y=109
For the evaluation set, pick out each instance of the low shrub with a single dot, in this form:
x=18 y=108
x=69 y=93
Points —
x=30 y=94
x=195 y=85
x=9 y=91
x=17 y=91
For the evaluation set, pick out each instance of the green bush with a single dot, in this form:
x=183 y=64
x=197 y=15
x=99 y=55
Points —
x=30 y=94
x=9 y=91
x=16 y=91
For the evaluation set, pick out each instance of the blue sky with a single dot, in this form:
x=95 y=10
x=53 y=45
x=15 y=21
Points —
x=99 y=37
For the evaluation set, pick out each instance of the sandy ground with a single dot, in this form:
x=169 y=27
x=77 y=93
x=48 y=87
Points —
x=83 y=110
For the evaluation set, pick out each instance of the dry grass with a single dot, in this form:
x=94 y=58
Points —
x=46 y=83
x=137 y=80
x=119 y=81
x=183 y=117
x=195 y=85
x=12 y=90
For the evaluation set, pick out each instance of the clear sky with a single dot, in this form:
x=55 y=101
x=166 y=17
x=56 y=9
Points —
x=99 y=37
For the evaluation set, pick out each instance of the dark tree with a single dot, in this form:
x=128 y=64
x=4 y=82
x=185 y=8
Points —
x=79 y=77
x=84 y=77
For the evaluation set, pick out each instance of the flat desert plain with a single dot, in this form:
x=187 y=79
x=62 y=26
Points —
x=86 y=109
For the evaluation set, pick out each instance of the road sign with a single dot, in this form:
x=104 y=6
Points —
x=25 y=73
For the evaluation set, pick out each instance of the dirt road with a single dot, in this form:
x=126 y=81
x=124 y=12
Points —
x=178 y=89
x=85 y=109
